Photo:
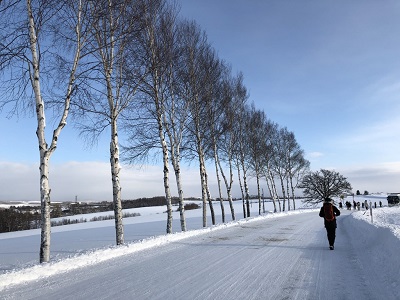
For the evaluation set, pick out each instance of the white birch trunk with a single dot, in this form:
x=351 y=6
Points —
x=175 y=160
x=246 y=188
x=228 y=186
x=202 y=181
x=115 y=171
x=181 y=200
x=209 y=198
x=259 y=194
x=263 y=201
x=166 y=182
x=158 y=101
x=203 y=194
x=241 y=190
x=204 y=186
x=108 y=58
x=221 y=201
x=212 y=213
x=45 y=234
x=270 y=191
x=283 y=192
x=275 y=191
x=287 y=191
x=229 y=191
x=160 y=116
x=293 y=196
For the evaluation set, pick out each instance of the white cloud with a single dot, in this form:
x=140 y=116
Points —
x=383 y=177
x=86 y=180
x=92 y=181
x=19 y=181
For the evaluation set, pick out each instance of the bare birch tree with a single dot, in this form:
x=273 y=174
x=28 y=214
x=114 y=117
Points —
x=241 y=153
x=177 y=113
x=256 y=141
x=192 y=79
x=296 y=164
x=109 y=90
x=163 y=113
x=279 y=162
x=227 y=138
x=26 y=46
x=271 y=129
x=157 y=55
x=215 y=104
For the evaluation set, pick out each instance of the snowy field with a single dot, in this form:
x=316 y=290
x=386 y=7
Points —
x=273 y=256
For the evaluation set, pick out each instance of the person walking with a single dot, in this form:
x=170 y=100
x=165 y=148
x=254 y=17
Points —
x=329 y=212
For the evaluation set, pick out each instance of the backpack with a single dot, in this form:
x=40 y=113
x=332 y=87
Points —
x=328 y=212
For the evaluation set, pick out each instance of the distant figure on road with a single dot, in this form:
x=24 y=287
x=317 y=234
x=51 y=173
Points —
x=329 y=212
x=348 y=205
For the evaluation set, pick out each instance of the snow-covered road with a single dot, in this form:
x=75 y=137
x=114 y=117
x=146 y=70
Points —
x=277 y=258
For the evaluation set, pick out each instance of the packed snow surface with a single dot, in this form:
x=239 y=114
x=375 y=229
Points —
x=273 y=256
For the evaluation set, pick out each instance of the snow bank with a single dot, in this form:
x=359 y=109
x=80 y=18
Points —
x=377 y=245
x=387 y=217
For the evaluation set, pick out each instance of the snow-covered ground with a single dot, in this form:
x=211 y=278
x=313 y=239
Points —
x=274 y=256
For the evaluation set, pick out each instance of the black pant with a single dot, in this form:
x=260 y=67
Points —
x=331 y=233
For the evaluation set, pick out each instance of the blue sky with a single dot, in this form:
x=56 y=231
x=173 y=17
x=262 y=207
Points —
x=327 y=70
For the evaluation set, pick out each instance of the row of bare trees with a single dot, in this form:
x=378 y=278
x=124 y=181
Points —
x=70 y=56
x=135 y=65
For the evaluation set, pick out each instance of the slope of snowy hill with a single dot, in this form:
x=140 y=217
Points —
x=274 y=256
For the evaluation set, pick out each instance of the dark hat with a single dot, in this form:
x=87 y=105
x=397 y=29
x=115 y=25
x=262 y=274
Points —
x=328 y=199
